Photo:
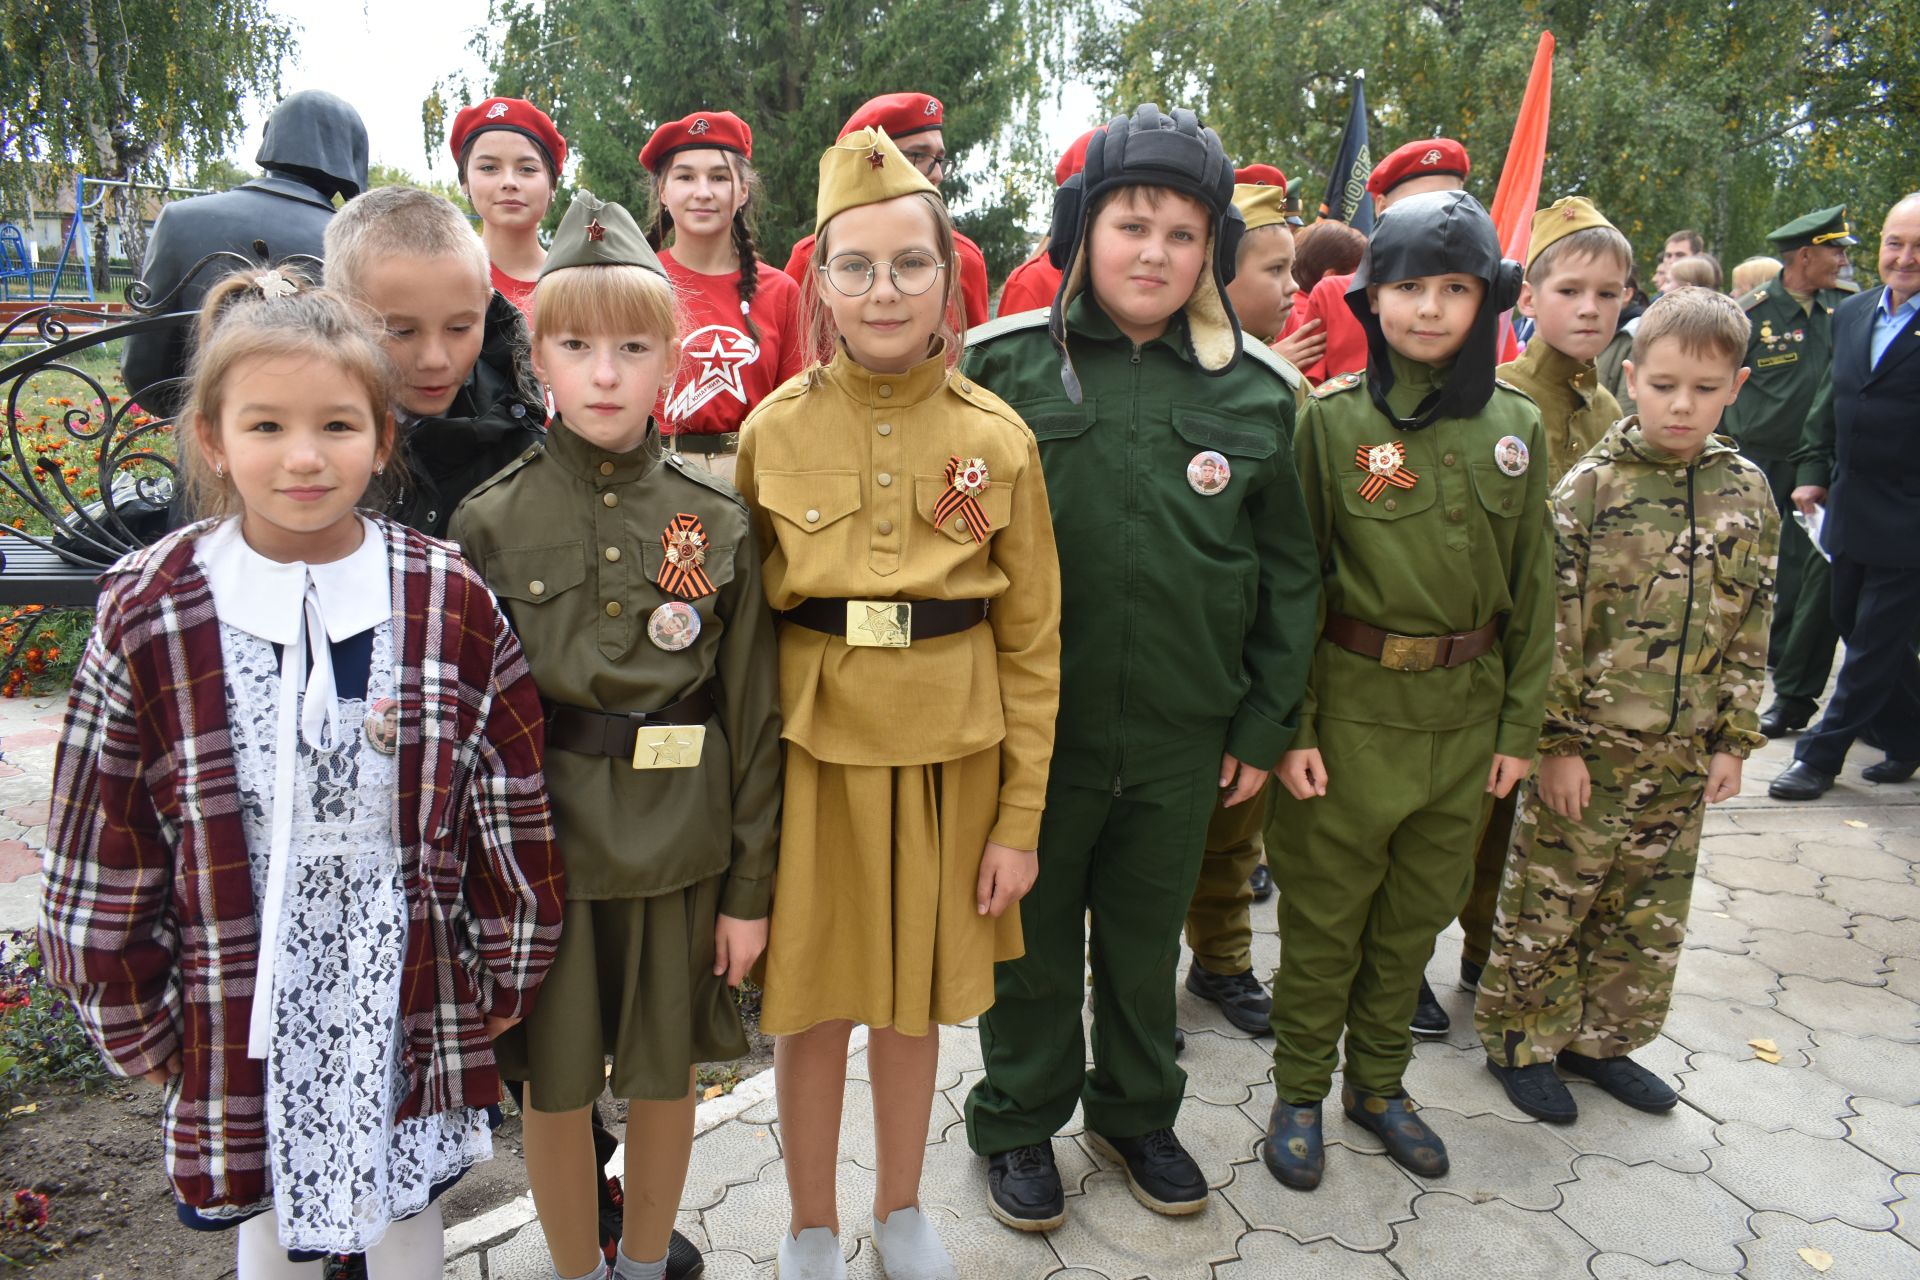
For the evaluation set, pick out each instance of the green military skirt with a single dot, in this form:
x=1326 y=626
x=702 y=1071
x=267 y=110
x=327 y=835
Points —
x=633 y=981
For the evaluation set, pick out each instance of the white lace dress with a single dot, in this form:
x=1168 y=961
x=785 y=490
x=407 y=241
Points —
x=342 y=1169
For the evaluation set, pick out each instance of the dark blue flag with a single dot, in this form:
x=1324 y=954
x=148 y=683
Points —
x=1347 y=199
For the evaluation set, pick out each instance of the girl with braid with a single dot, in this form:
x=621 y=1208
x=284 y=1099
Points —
x=740 y=315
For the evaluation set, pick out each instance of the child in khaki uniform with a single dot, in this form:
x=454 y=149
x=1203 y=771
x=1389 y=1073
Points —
x=910 y=553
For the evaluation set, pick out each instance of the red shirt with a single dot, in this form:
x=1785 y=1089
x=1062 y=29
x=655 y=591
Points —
x=723 y=372
x=1346 y=340
x=518 y=292
x=1298 y=316
x=973 y=274
x=1032 y=284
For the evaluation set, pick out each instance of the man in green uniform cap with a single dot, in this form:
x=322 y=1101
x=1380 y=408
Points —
x=1791 y=355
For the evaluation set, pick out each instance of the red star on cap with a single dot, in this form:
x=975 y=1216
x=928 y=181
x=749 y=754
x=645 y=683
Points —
x=595 y=231
x=875 y=158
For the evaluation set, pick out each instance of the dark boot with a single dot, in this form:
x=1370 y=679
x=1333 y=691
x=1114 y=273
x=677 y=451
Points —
x=1470 y=971
x=1295 y=1151
x=1160 y=1173
x=1239 y=995
x=1538 y=1091
x=1023 y=1188
x=1262 y=883
x=1429 y=1019
x=1397 y=1123
x=1801 y=781
x=1622 y=1077
x=1787 y=716
x=1890 y=771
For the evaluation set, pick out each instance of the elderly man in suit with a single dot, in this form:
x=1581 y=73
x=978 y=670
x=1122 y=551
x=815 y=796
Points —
x=1861 y=459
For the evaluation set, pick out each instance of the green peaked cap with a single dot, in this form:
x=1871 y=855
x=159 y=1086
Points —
x=1827 y=226
x=597 y=233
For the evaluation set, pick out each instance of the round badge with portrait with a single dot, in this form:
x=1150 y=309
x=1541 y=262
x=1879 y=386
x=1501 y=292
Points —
x=673 y=626
x=1511 y=455
x=382 y=726
x=1208 y=473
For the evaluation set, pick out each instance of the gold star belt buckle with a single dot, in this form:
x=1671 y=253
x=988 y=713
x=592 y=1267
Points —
x=668 y=746
x=879 y=624
x=1410 y=653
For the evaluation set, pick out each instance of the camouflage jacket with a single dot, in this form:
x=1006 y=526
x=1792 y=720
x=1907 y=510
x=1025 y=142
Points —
x=1665 y=578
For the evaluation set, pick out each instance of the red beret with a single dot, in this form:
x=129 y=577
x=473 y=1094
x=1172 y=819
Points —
x=1073 y=159
x=515 y=115
x=898 y=113
x=722 y=130
x=1261 y=175
x=1417 y=160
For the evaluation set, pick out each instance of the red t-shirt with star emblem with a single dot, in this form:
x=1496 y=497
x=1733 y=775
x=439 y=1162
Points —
x=723 y=372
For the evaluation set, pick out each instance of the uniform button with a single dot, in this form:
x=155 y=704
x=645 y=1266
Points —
x=960 y=523
x=885 y=527
x=536 y=588
x=1454 y=515
x=610 y=499
x=886 y=392
x=613 y=553
x=1506 y=504
x=885 y=428
x=606 y=468
x=965 y=385
x=813 y=517
x=884 y=478
x=1391 y=504
x=1448 y=459
x=613 y=608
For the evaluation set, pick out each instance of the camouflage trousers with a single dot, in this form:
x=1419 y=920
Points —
x=1592 y=913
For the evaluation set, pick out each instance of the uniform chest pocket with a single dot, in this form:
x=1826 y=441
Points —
x=1225 y=435
x=536 y=575
x=809 y=501
x=996 y=504
x=1738 y=570
x=1501 y=494
x=1375 y=495
x=1055 y=422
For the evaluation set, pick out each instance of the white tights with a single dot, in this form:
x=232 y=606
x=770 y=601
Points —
x=409 y=1250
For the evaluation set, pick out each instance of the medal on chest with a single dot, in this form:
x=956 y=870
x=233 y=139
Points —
x=673 y=626
x=1511 y=456
x=1208 y=473
x=382 y=726
x=1385 y=464
x=966 y=480
x=682 y=568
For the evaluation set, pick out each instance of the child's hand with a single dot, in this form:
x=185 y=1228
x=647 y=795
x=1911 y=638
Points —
x=160 y=1075
x=1506 y=774
x=1565 y=786
x=736 y=945
x=1723 y=777
x=498 y=1026
x=1303 y=773
x=1241 y=781
x=1304 y=345
x=1005 y=876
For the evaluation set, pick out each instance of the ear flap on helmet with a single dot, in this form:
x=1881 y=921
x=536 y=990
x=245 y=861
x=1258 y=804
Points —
x=1067 y=200
x=1226 y=245
x=1505 y=288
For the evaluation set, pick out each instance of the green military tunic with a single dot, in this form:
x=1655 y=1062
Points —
x=1186 y=625
x=569 y=537
x=1371 y=871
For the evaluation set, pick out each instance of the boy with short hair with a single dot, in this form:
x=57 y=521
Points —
x=1428 y=501
x=1189 y=582
x=1577 y=268
x=1665 y=541
x=467 y=407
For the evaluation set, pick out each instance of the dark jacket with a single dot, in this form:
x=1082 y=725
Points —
x=1861 y=441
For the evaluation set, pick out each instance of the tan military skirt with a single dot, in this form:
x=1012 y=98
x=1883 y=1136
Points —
x=633 y=981
x=874 y=915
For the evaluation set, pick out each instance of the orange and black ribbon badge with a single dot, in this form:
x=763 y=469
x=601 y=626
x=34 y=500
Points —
x=1385 y=465
x=681 y=573
x=966 y=480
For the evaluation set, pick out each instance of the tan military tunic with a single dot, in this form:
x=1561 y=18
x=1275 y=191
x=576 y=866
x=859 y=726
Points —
x=890 y=751
x=1575 y=410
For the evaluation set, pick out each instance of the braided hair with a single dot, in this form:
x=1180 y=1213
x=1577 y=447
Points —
x=748 y=281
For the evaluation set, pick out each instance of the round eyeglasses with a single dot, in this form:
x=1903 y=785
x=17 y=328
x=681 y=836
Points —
x=852 y=274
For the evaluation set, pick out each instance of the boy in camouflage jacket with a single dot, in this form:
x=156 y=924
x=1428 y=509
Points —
x=1666 y=542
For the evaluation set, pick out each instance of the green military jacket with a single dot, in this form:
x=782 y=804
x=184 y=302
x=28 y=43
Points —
x=1465 y=543
x=1665 y=579
x=1791 y=353
x=570 y=538
x=1575 y=410
x=1186 y=616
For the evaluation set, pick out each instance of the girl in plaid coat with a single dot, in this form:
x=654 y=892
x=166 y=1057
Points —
x=301 y=865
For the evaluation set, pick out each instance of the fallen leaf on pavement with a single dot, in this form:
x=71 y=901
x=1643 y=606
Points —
x=1768 y=1045
x=1772 y=1059
x=1855 y=822
x=1818 y=1259
x=713 y=1091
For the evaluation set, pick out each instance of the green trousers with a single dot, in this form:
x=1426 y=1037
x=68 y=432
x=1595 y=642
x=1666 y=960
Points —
x=1219 y=919
x=1593 y=912
x=1369 y=873
x=1129 y=861
x=1489 y=863
x=1800 y=670
x=1796 y=553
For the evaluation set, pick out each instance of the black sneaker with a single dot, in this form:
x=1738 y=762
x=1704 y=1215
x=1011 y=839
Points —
x=1538 y=1091
x=1160 y=1173
x=683 y=1258
x=1470 y=974
x=1179 y=1042
x=1624 y=1078
x=1429 y=1019
x=1023 y=1188
x=1262 y=883
x=1239 y=995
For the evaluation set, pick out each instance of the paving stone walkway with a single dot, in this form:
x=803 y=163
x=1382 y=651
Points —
x=1805 y=933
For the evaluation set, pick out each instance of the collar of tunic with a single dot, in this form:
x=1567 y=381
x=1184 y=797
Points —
x=889 y=390
x=1554 y=367
x=587 y=461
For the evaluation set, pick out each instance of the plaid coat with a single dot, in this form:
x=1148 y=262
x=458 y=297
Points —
x=149 y=921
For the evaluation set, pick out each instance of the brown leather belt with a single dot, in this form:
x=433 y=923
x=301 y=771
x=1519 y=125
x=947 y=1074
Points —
x=706 y=442
x=887 y=624
x=609 y=733
x=1410 y=653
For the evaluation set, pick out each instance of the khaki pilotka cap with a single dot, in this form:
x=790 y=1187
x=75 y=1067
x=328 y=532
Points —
x=1561 y=219
x=597 y=233
x=864 y=168
x=1261 y=206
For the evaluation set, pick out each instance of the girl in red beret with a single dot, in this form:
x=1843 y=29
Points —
x=740 y=319
x=509 y=156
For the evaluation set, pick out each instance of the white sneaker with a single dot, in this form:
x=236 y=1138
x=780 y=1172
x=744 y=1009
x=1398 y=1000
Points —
x=814 y=1254
x=910 y=1248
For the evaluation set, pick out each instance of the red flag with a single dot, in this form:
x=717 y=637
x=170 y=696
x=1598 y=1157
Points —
x=1519 y=191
